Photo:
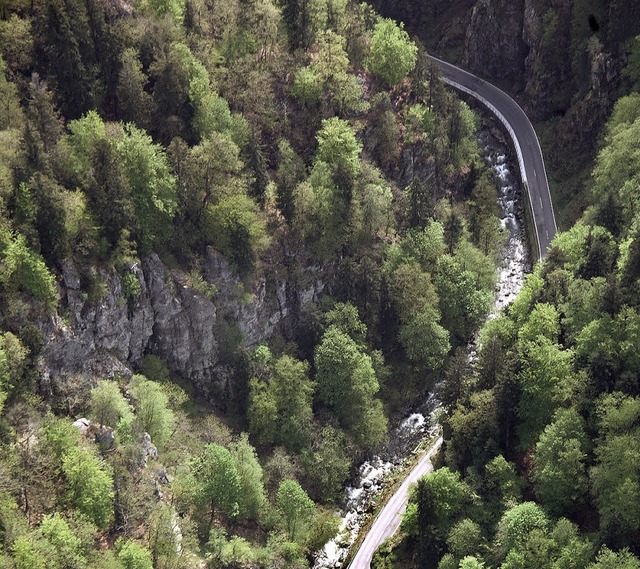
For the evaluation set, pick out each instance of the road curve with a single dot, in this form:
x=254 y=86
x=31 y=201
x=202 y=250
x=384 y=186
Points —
x=525 y=140
x=534 y=178
x=388 y=520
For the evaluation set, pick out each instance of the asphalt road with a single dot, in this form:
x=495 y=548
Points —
x=534 y=178
x=388 y=520
x=525 y=140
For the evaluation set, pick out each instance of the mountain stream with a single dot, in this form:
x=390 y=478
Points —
x=420 y=423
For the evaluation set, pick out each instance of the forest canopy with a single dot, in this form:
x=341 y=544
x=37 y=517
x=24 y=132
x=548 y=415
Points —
x=237 y=147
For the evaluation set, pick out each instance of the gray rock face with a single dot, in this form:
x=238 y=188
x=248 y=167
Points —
x=548 y=63
x=96 y=339
x=104 y=338
x=494 y=47
x=182 y=329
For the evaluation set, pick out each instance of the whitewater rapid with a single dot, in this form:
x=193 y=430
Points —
x=513 y=266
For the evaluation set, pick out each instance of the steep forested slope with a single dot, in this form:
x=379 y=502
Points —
x=541 y=440
x=219 y=216
x=567 y=62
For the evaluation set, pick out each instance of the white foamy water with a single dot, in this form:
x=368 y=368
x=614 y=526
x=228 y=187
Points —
x=514 y=264
x=512 y=269
x=368 y=483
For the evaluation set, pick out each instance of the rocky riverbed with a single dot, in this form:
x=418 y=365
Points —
x=512 y=270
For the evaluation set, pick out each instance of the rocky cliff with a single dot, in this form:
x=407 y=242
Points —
x=548 y=52
x=88 y=339
x=494 y=45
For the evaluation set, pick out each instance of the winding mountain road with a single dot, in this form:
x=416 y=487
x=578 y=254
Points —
x=534 y=179
x=525 y=141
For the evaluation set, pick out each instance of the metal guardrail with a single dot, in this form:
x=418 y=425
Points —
x=516 y=144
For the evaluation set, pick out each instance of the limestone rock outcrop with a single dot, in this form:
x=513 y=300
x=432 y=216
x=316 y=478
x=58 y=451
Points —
x=494 y=46
x=106 y=337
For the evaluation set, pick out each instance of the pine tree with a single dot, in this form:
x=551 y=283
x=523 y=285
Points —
x=62 y=58
x=109 y=193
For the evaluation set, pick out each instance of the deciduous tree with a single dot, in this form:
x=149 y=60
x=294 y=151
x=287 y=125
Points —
x=559 y=473
x=393 y=54
x=295 y=507
x=89 y=485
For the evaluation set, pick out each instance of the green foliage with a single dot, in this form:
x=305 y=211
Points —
x=12 y=523
x=62 y=33
x=82 y=140
x=324 y=527
x=608 y=559
x=133 y=555
x=615 y=481
x=134 y=103
x=164 y=543
x=347 y=383
x=131 y=287
x=328 y=80
x=393 y=54
x=502 y=482
x=26 y=555
x=290 y=173
x=616 y=169
x=50 y=218
x=13 y=356
x=338 y=146
x=424 y=245
x=471 y=562
x=224 y=552
x=559 y=473
x=153 y=187
x=60 y=437
x=25 y=271
x=67 y=547
x=343 y=372
x=545 y=384
x=345 y=317
x=465 y=538
x=613 y=339
x=152 y=409
x=425 y=341
x=295 y=507
x=464 y=302
x=175 y=8
x=109 y=195
x=108 y=405
x=89 y=484
x=12 y=116
x=154 y=367
x=306 y=86
x=475 y=430
x=418 y=123
x=327 y=463
x=448 y=561
x=218 y=480
x=16 y=41
x=251 y=495
x=517 y=524
x=236 y=229
x=449 y=494
x=542 y=324
x=280 y=395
